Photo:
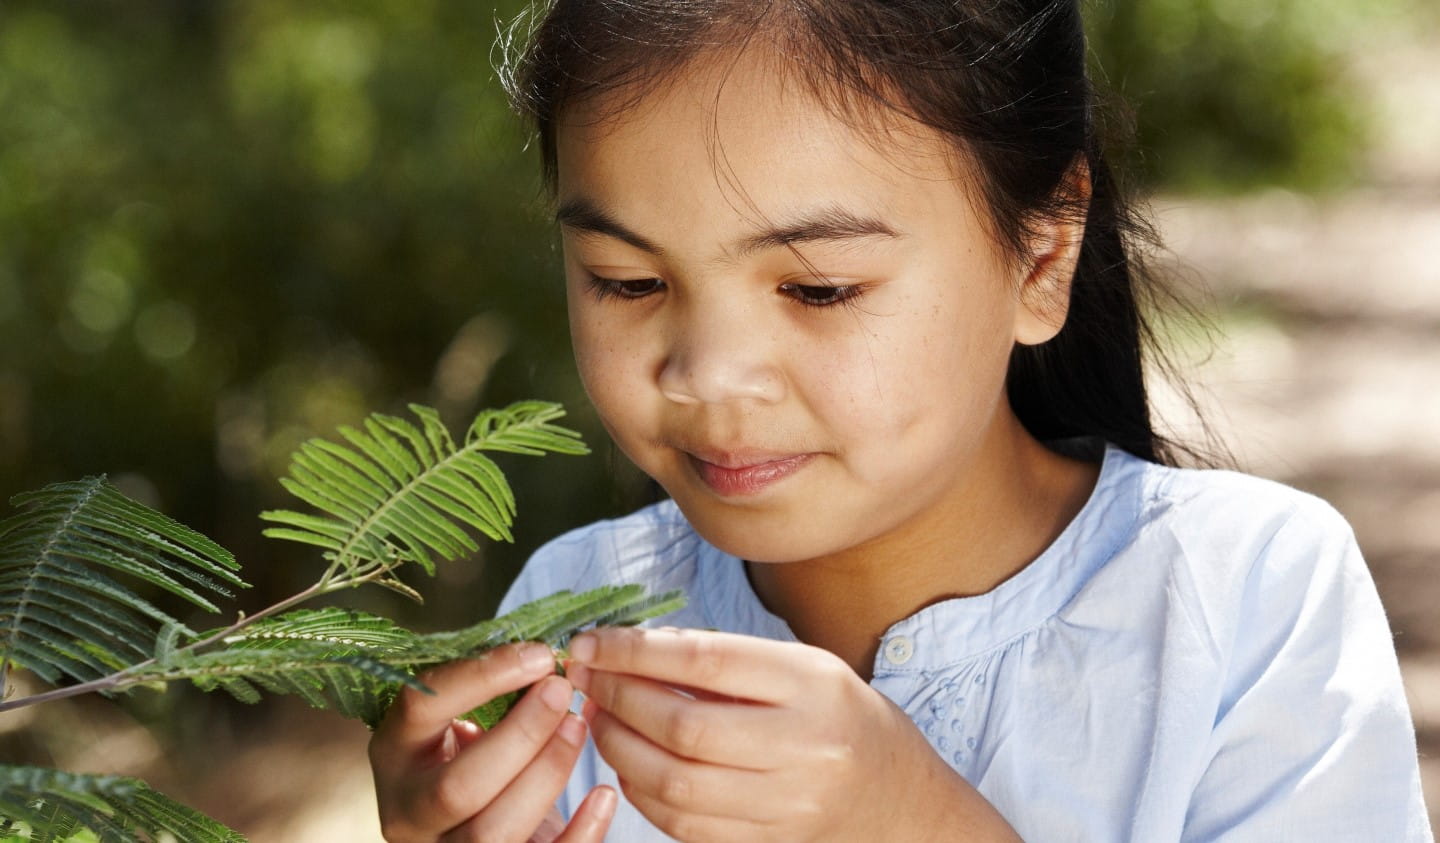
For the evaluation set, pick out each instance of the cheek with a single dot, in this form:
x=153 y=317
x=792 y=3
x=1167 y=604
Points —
x=929 y=375
x=613 y=369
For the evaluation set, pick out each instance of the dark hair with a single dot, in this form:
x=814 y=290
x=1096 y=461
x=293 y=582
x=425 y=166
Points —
x=1006 y=79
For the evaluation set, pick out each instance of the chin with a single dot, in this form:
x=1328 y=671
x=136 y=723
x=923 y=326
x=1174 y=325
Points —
x=756 y=538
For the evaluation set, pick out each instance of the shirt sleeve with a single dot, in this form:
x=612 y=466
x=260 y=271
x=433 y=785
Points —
x=566 y=562
x=1312 y=738
x=532 y=583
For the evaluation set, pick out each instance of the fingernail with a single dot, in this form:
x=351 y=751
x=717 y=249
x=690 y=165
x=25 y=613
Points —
x=589 y=710
x=604 y=803
x=579 y=676
x=571 y=730
x=535 y=657
x=555 y=694
x=582 y=647
x=449 y=746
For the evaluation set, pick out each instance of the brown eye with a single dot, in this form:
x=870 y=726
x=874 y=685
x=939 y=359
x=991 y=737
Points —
x=639 y=288
x=819 y=295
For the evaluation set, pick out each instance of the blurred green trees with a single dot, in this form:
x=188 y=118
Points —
x=226 y=226
x=1235 y=94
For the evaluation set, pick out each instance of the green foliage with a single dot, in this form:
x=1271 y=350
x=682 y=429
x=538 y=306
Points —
x=52 y=806
x=354 y=663
x=402 y=493
x=1231 y=94
x=61 y=611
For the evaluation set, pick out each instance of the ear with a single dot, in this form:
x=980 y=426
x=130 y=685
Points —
x=1055 y=245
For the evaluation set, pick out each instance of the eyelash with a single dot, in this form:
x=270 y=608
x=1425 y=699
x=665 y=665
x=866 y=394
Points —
x=605 y=288
x=839 y=294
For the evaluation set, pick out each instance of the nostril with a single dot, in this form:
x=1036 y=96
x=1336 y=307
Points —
x=713 y=365
x=679 y=396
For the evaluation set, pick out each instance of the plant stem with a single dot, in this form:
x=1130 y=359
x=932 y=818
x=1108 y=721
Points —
x=119 y=679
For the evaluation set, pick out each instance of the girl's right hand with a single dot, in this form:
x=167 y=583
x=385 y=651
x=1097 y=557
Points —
x=440 y=778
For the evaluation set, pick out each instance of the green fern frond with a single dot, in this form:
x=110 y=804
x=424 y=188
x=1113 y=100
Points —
x=332 y=658
x=61 y=611
x=333 y=626
x=355 y=663
x=401 y=493
x=53 y=806
x=554 y=620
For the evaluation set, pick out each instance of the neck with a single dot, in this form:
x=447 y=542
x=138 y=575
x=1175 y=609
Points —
x=995 y=520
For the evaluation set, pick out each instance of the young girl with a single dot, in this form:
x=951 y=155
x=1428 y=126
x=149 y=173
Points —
x=849 y=278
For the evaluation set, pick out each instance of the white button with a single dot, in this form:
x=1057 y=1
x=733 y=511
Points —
x=899 y=649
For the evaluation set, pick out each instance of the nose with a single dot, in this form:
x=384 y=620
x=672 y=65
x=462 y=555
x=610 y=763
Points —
x=720 y=357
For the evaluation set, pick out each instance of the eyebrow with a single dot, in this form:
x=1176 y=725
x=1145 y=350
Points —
x=823 y=224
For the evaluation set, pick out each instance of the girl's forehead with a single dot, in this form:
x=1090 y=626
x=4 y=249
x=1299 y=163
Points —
x=745 y=119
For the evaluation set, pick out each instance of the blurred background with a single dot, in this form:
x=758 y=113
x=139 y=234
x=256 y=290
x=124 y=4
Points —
x=229 y=226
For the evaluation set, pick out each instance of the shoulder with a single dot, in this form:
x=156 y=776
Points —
x=654 y=546
x=1269 y=596
x=1235 y=523
x=1193 y=498
x=1234 y=553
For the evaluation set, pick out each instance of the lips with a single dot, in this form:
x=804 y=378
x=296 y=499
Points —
x=740 y=474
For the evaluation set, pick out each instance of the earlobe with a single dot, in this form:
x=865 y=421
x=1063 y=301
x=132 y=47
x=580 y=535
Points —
x=1045 y=290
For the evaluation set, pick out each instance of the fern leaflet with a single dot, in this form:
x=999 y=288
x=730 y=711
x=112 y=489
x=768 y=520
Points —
x=355 y=663
x=54 y=805
x=62 y=612
x=402 y=493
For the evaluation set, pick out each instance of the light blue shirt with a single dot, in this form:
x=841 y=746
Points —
x=1200 y=655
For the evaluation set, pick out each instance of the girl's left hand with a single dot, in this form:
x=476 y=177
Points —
x=717 y=736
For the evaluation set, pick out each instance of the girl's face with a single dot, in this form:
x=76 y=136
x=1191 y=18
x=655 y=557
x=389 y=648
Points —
x=799 y=327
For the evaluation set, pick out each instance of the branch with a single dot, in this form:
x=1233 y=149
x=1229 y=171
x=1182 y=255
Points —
x=118 y=680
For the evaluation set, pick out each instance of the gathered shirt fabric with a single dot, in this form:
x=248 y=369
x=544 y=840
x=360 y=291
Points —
x=1200 y=655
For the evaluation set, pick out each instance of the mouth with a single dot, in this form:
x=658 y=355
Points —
x=733 y=475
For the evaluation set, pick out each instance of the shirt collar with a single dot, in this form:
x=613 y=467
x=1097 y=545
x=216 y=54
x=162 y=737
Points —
x=959 y=628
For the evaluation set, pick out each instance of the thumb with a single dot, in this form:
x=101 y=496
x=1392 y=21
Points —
x=592 y=819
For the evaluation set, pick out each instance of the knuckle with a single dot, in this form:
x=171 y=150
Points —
x=831 y=667
x=504 y=659
x=833 y=751
x=448 y=798
x=807 y=811
x=602 y=690
x=704 y=654
x=410 y=708
x=534 y=727
x=675 y=788
x=624 y=643
x=680 y=826
x=685 y=731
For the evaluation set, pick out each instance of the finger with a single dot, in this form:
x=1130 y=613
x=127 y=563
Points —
x=739 y=666
x=481 y=771
x=416 y=720
x=700 y=828
x=464 y=733
x=680 y=783
x=726 y=733
x=521 y=808
x=592 y=818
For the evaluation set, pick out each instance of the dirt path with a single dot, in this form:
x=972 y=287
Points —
x=1328 y=378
